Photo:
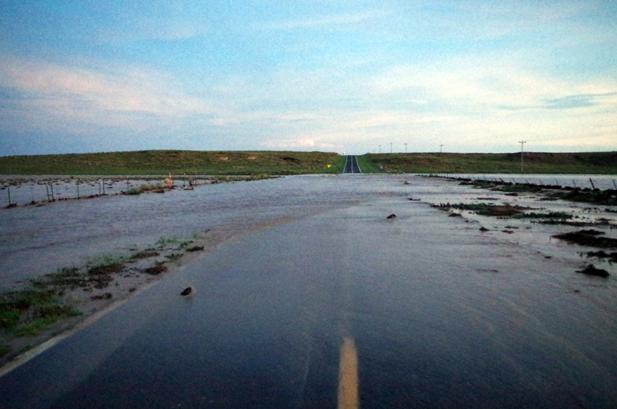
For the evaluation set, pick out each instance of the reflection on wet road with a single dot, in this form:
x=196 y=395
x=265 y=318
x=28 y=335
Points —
x=345 y=309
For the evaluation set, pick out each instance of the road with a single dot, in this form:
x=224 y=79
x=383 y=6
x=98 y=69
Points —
x=345 y=309
x=351 y=164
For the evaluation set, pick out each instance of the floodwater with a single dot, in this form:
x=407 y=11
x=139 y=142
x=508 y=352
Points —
x=24 y=190
x=38 y=240
x=603 y=182
x=425 y=309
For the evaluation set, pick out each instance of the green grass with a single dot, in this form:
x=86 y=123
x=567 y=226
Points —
x=28 y=312
x=367 y=165
x=162 y=162
x=585 y=162
x=47 y=318
x=4 y=349
x=9 y=317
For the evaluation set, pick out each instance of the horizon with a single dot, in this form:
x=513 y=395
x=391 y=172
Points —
x=85 y=77
x=310 y=151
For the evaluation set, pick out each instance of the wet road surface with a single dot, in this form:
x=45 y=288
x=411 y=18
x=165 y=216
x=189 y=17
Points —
x=351 y=165
x=345 y=308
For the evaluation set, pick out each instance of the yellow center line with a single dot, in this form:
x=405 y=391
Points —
x=348 y=376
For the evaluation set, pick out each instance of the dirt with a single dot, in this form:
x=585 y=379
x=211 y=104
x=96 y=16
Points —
x=156 y=269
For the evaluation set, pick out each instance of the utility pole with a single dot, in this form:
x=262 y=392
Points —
x=390 y=147
x=379 y=148
x=441 y=148
x=522 y=151
x=405 y=147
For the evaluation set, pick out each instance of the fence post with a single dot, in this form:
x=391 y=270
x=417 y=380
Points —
x=573 y=182
x=8 y=190
x=592 y=185
x=77 y=189
x=51 y=188
x=614 y=184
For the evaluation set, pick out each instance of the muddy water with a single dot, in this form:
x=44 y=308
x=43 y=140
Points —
x=427 y=311
x=581 y=181
x=38 y=240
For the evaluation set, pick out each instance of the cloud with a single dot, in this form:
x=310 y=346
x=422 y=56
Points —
x=299 y=143
x=336 y=20
x=128 y=96
x=154 y=30
x=579 y=101
x=483 y=85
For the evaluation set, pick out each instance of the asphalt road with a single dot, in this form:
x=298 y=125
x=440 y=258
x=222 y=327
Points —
x=351 y=165
x=344 y=309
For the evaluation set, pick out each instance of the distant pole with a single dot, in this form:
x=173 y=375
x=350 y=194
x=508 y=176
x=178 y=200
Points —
x=77 y=184
x=405 y=147
x=441 y=148
x=390 y=147
x=379 y=148
x=522 y=153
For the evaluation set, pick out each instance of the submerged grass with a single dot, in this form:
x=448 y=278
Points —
x=590 y=238
x=143 y=189
x=485 y=209
x=547 y=216
x=550 y=192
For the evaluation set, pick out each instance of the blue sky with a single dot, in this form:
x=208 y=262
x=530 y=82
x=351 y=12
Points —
x=346 y=76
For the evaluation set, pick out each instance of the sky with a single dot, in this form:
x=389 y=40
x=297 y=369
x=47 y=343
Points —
x=345 y=76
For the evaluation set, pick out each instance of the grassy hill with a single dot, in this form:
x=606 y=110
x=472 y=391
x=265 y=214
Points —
x=584 y=162
x=177 y=162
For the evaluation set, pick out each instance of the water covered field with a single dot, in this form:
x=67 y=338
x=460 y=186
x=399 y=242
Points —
x=24 y=190
x=580 y=181
x=445 y=305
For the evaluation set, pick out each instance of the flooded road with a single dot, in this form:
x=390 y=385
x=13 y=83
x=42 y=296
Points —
x=339 y=307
